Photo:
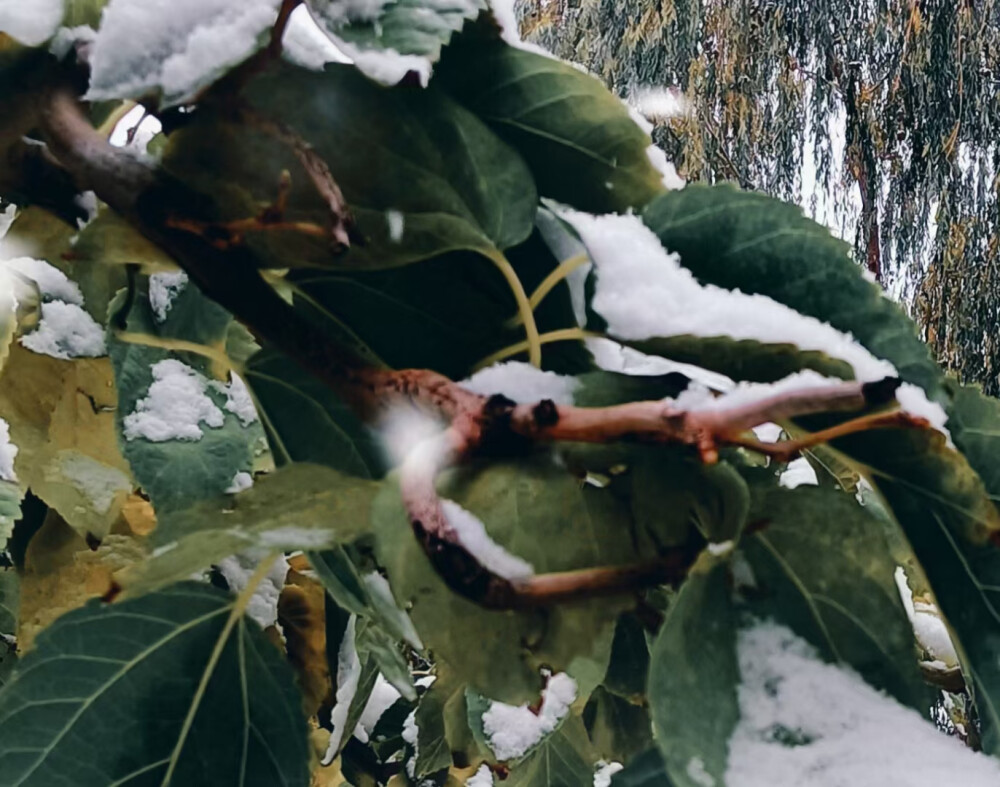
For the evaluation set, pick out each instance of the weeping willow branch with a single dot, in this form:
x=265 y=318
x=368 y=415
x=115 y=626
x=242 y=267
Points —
x=479 y=425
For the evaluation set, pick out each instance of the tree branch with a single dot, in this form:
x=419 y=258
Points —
x=479 y=425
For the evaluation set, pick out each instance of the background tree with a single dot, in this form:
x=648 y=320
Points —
x=890 y=107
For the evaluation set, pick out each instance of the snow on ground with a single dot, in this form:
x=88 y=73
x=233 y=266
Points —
x=806 y=722
x=512 y=730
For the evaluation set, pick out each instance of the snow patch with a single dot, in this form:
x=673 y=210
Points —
x=240 y=483
x=804 y=721
x=798 y=473
x=604 y=772
x=52 y=283
x=306 y=45
x=163 y=289
x=396 y=222
x=473 y=536
x=32 y=25
x=263 y=605
x=174 y=406
x=512 y=730
x=179 y=46
x=238 y=399
x=522 y=382
x=928 y=627
x=66 y=331
x=383 y=697
x=99 y=483
x=8 y=452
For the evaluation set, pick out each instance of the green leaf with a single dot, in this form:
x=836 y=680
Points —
x=446 y=314
x=693 y=678
x=757 y=244
x=207 y=696
x=563 y=759
x=618 y=729
x=527 y=507
x=297 y=507
x=821 y=566
x=451 y=182
x=374 y=641
x=629 y=663
x=578 y=138
x=951 y=524
x=174 y=472
x=647 y=770
x=409 y=27
x=433 y=752
x=974 y=423
x=306 y=422
x=10 y=601
x=10 y=508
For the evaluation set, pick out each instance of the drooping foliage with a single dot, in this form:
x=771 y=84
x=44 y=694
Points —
x=215 y=396
x=881 y=118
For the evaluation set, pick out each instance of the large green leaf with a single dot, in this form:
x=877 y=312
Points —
x=756 y=244
x=951 y=524
x=407 y=27
x=205 y=695
x=422 y=175
x=527 y=507
x=300 y=506
x=693 y=677
x=306 y=422
x=974 y=423
x=618 y=729
x=821 y=566
x=578 y=138
x=447 y=314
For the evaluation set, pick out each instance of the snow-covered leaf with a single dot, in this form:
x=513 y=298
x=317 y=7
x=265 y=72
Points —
x=379 y=34
x=563 y=759
x=173 y=50
x=300 y=506
x=185 y=435
x=578 y=138
x=693 y=667
x=31 y=26
x=449 y=182
x=821 y=566
x=756 y=244
x=196 y=716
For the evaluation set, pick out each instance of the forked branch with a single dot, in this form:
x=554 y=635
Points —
x=479 y=425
